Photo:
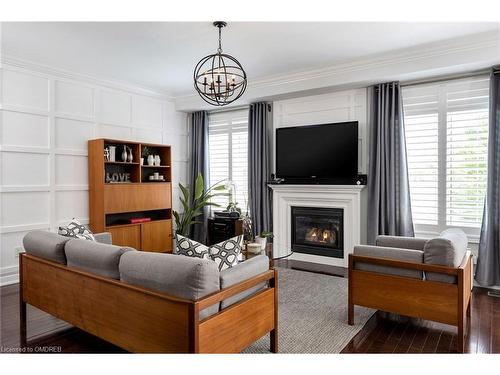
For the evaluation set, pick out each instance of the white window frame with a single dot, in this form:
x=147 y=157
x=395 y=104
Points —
x=429 y=230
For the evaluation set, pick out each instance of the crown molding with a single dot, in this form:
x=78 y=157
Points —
x=422 y=61
x=452 y=56
x=86 y=78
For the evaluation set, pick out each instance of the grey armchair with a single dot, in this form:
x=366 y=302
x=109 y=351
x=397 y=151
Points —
x=425 y=278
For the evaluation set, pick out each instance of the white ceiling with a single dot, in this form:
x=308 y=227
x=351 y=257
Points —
x=162 y=55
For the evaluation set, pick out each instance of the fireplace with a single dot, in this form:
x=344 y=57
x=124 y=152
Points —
x=318 y=231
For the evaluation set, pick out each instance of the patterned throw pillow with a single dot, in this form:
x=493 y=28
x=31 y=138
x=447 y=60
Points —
x=190 y=248
x=226 y=253
x=77 y=230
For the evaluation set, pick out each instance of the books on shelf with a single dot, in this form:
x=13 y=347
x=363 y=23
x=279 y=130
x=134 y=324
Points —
x=136 y=220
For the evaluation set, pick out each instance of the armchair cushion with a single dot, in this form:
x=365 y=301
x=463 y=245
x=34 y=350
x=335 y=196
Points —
x=412 y=243
x=446 y=250
x=394 y=253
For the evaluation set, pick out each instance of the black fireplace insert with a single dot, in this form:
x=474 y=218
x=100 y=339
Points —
x=318 y=231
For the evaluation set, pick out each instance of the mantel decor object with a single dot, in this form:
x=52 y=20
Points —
x=219 y=78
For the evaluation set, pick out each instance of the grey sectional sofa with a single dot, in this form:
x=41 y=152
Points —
x=195 y=286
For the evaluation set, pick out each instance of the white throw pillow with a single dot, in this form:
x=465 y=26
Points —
x=77 y=230
x=190 y=248
x=226 y=253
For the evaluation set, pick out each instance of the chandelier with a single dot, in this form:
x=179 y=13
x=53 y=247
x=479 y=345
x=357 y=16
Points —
x=219 y=78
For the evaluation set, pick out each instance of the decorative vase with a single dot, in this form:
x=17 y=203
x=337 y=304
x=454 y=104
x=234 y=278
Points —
x=130 y=157
x=262 y=241
x=151 y=160
x=112 y=153
x=124 y=154
x=157 y=160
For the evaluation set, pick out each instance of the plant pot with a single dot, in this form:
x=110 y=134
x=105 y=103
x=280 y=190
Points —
x=142 y=161
x=262 y=241
x=253 y=248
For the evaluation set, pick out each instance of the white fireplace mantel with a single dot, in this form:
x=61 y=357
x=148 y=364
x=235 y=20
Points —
x=347 y=197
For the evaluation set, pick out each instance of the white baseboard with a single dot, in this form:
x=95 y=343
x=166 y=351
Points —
x=9 y=275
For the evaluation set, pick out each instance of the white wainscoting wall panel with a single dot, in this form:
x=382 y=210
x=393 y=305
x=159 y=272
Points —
x=341 y=106
x=46 y=121
x=349 y=105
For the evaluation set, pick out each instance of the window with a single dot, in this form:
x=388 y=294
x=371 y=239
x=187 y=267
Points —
x=446 y=128
x=228 y=153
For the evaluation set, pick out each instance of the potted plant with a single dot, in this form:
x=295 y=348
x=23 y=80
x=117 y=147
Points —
x=231 y=192
x=193 y=205
x=144 y=154
x=262 y=239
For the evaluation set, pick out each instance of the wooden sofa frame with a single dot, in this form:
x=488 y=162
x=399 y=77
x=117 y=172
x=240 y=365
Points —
x=144 y=321
x=431 y=300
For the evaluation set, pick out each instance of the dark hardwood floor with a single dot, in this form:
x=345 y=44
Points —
x=383 y=333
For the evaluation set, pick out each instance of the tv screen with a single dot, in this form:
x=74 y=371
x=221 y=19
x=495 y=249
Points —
x=318 y=152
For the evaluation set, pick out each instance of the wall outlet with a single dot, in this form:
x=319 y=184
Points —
x=18 y=251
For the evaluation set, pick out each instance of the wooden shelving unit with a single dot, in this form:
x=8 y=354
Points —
x=112 y=205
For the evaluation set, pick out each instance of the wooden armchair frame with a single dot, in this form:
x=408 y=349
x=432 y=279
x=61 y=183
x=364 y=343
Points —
x=431 y=300
x=144 y=321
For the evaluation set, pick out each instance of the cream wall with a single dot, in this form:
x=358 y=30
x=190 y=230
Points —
x=46 y=120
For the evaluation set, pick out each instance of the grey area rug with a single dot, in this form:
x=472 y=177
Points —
x=312 y=314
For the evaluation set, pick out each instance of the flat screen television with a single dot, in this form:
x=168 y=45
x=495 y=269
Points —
x=325 y=153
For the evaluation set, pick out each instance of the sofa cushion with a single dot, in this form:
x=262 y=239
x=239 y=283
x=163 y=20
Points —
x=76 y=229
x=241 y=272
x=190 y=248
x=104 y=237
x=226 y=253
x=46 y=245
x=100 y=259
x=407 y=255
x=178 y=276
x=446 y=250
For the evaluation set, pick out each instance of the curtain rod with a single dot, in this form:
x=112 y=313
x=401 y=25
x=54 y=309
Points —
x=476 y=73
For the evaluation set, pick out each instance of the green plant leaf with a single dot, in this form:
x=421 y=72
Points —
x=185 y=192
x=199 y=185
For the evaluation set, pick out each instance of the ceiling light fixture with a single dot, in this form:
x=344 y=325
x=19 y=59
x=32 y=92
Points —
x=219 y=78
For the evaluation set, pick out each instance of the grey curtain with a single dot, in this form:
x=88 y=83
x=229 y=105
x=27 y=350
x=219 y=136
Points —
x=488 y=261
x=199 y=164
x=259 y=159
x=389 y=209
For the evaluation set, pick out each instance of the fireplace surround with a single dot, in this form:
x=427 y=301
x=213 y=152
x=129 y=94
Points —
x=345 y=197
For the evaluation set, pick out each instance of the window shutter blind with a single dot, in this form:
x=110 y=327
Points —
x=466 y=152
x=447 y=136
x=421 y=130
x=228 y=154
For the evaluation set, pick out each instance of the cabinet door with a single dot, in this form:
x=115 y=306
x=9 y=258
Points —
x=157 y=236
x=126 y=236
x=136 y=197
